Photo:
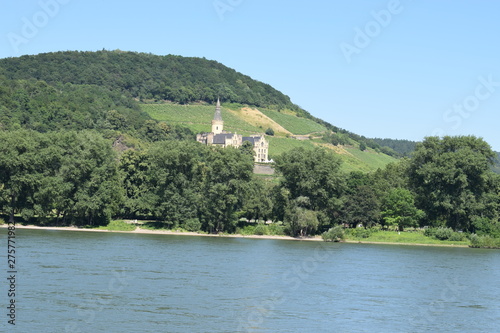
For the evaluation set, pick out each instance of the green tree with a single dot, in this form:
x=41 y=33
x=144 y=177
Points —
x=398 y=209
x=134 y=167
x=361 y=207
x=226 y=176
x=257 y=202
x=21 y=170
x=89 y=190
x=247 y=148
x=448 y=176
x=71 y=174
x=173 y=177
x=300 y=220
x=314 y=174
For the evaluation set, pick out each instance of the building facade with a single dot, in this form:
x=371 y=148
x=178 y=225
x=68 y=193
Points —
x=221 y=138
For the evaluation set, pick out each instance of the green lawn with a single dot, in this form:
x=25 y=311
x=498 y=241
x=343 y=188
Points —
x=118 y=225
x=294 y=124
x=405 y=237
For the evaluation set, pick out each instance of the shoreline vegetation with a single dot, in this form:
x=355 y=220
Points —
x=139 y=230
x=78 y=149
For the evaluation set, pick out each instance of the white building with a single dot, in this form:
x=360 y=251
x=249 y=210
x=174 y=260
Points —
x=224 y=139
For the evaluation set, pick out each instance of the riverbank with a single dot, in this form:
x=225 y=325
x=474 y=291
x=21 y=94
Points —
x=139 y=230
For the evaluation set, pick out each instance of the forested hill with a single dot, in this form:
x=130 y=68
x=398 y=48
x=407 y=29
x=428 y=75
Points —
x=147 y=77
x=402 y=147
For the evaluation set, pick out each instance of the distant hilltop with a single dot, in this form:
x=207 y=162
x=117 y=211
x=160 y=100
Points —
x=148 y=77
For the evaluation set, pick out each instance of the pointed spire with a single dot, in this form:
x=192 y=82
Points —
x=218 y=114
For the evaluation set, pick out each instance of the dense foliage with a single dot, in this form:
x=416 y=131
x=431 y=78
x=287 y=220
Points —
x=76 y=149
x=402 y=147
x=77 y=178
x=70 y=176
x=35 y=105
x=146 y=77
x=451 y=180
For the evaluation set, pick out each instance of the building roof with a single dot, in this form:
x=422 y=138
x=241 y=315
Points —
x=218 y=114
x=220 y=139
x=250 y=139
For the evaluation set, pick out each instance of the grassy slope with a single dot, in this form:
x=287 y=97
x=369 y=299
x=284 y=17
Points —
x=198 y=119
x=294 y=124
x=370 y=158
x=404 y=238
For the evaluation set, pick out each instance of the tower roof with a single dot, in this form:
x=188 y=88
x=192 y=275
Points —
x=218 y=114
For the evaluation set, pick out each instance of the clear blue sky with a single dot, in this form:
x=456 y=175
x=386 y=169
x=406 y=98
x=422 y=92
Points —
x=399 y=69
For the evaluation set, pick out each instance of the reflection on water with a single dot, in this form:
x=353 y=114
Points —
x=107 y=282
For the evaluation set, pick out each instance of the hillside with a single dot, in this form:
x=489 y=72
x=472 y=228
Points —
x=290 y=131
x=151 y=98
x=147 y=77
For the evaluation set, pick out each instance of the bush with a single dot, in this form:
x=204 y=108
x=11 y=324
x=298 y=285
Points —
x=246 y=230
x=360 y=232
x=335 y=234
x=192 y=225
x=443 y=233
x=2 y=221
x=118 y=225
x=276 y=229
x=430 y=232
x=484 y=226
x=486 y=242
x=457 y=237
x=261 y=229
x=269 y=131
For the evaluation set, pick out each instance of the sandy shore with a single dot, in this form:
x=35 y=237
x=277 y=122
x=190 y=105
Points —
x=139 y=230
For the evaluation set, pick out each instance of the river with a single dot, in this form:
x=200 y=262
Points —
x=115 y=282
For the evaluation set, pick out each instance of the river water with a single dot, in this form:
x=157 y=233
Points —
x=113 y=282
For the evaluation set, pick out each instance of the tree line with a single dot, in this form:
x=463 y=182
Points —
x=75 y=177
x=35 y=105
x=147 y=77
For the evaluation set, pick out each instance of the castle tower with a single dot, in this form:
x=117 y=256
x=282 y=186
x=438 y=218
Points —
x=217 y=123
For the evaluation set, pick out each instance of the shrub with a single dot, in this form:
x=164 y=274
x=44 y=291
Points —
x=246 y=230
x=269 y=131
x=430 y=232
x=484 y=242
x=276 y=229
x=334 y=234
x=118 y=225
x=443 y=233
x=484 y=226
x=457 y=237
x=2 y=221
x=261 y=229
x=192 y=225
x=360 y=232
